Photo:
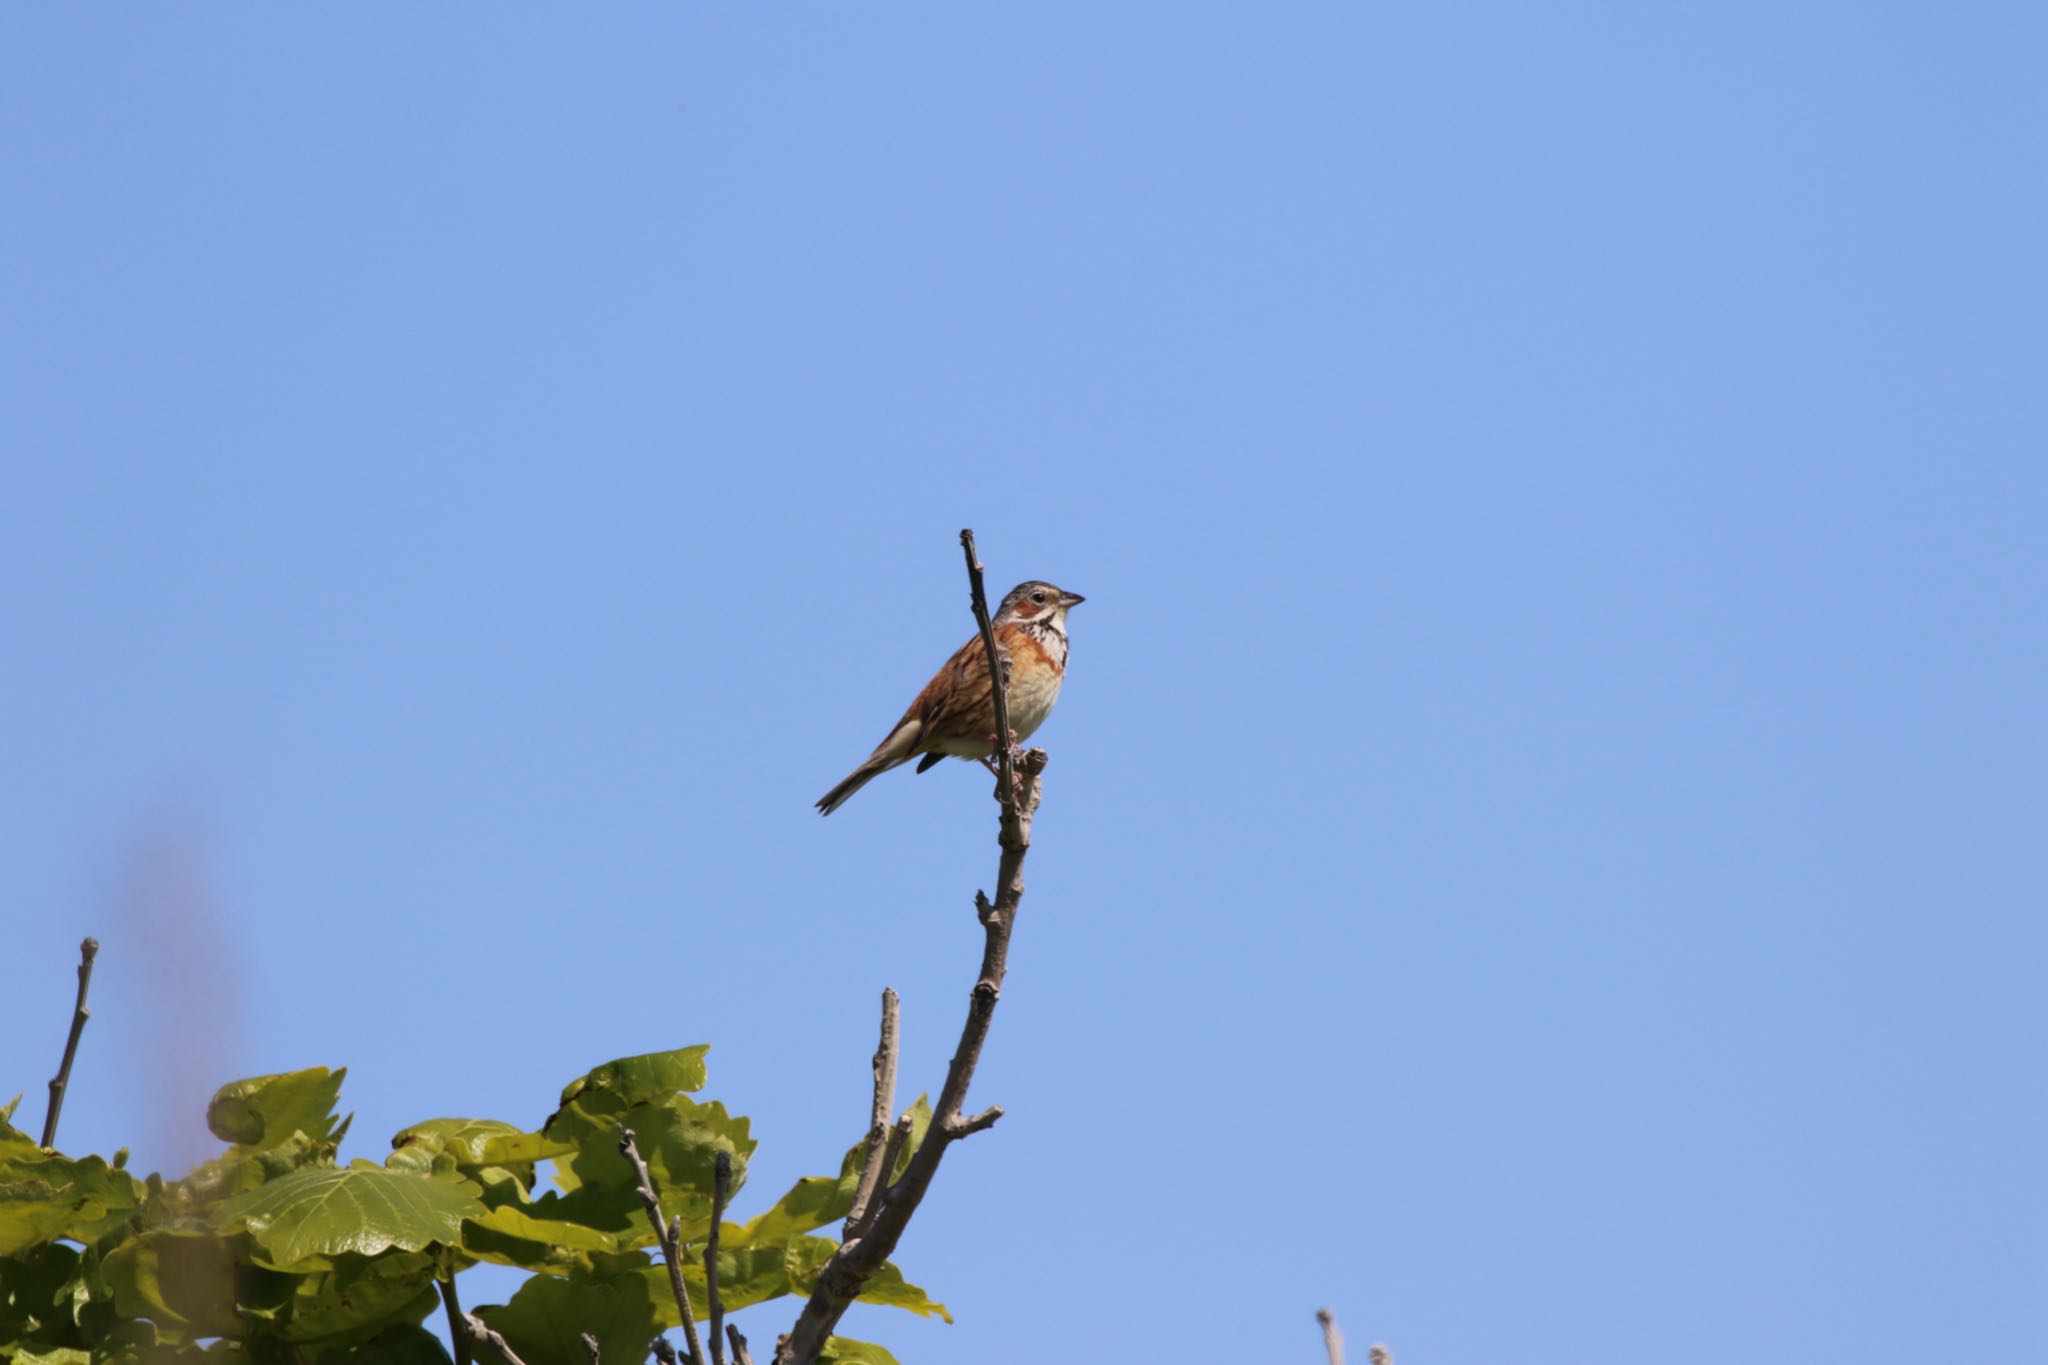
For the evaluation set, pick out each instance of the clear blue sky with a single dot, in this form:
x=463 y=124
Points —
x=1544 y=846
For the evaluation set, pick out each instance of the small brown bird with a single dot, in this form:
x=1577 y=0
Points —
x=956 y=713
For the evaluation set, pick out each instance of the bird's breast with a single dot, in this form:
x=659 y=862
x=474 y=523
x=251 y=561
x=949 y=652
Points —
x=1035 y=676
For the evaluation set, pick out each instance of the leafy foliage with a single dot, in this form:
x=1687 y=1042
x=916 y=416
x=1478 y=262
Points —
x=275 y=1251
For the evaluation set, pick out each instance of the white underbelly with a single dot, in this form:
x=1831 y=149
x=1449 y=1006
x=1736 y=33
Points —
x=1031 y=703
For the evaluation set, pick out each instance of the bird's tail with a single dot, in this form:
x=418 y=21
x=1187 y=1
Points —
x=892 y=752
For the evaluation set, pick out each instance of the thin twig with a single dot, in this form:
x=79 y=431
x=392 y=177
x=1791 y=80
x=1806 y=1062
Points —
x=1333 y=1340
x=878 y=1123
x=479 y=1332
x=892 y=1152
x=858 y=1258
x=665 y=1351
x=457 y=1338
x=721 y=1190
x=670 y=1235
x=974 y=1123
x=998 y=676
x=739 y=1346
x=592 y=1349
x=87 y=951
x=1380 y=1355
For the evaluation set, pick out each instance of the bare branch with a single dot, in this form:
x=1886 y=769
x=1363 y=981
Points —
x=1380 y=1355
x=861 y=1255
x=670 y=1234
x=87 y=951
x=721 y=1190
x=974 y=1123
x=878 y=1124
x=592 y=1349
x=665 y=1351
x=457 y=1337
x=998 y=677
x=1333 y=1340
x=479 y=1332
x=739 y=1346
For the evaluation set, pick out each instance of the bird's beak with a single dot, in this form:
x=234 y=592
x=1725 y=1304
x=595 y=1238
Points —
x=1071 y=599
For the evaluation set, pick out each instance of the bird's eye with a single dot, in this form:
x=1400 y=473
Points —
x=1039 y=598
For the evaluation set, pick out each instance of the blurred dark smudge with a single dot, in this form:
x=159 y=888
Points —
x=190 y=1012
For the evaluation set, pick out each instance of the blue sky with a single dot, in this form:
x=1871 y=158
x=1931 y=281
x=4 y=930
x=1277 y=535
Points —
x=1542 y=852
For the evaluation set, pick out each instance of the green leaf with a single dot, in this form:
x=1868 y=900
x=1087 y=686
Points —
x=44 y=1197
x=37 y=1293
x=183 y=1282
x=546 y=1318
x=746 y=1276
x=812 y=1202
x=847 y=1351
x=363 y=1209
x=678 y=1137
x=393 y=1346
x=650 y=1076
x=888 y=1287
x=806 y=1256
x=62 y=1355
x=511 y=1236
x=363 y=1295
x=264 y=1111
x=920 y=1124
x=482 y=1142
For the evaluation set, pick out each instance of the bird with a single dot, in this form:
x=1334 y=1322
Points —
x=955 y=714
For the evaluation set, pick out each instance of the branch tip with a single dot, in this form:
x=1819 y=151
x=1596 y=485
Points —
x=974 y=1123
x=1333 y=1340
x=88 y=949
x=878 y=1115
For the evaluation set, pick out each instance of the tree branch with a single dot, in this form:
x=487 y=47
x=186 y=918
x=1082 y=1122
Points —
x=872 y=1165
x=891 y=1153
x=974 y=1123
x=998 y=677
x=87 y=951
x=721 y=1190
x=592 y=1349
x=458 y=1337
x=739 y=1346
x=479 y=1332
x=669 y=1233
x=862 y=1254
x=1333 y=1340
